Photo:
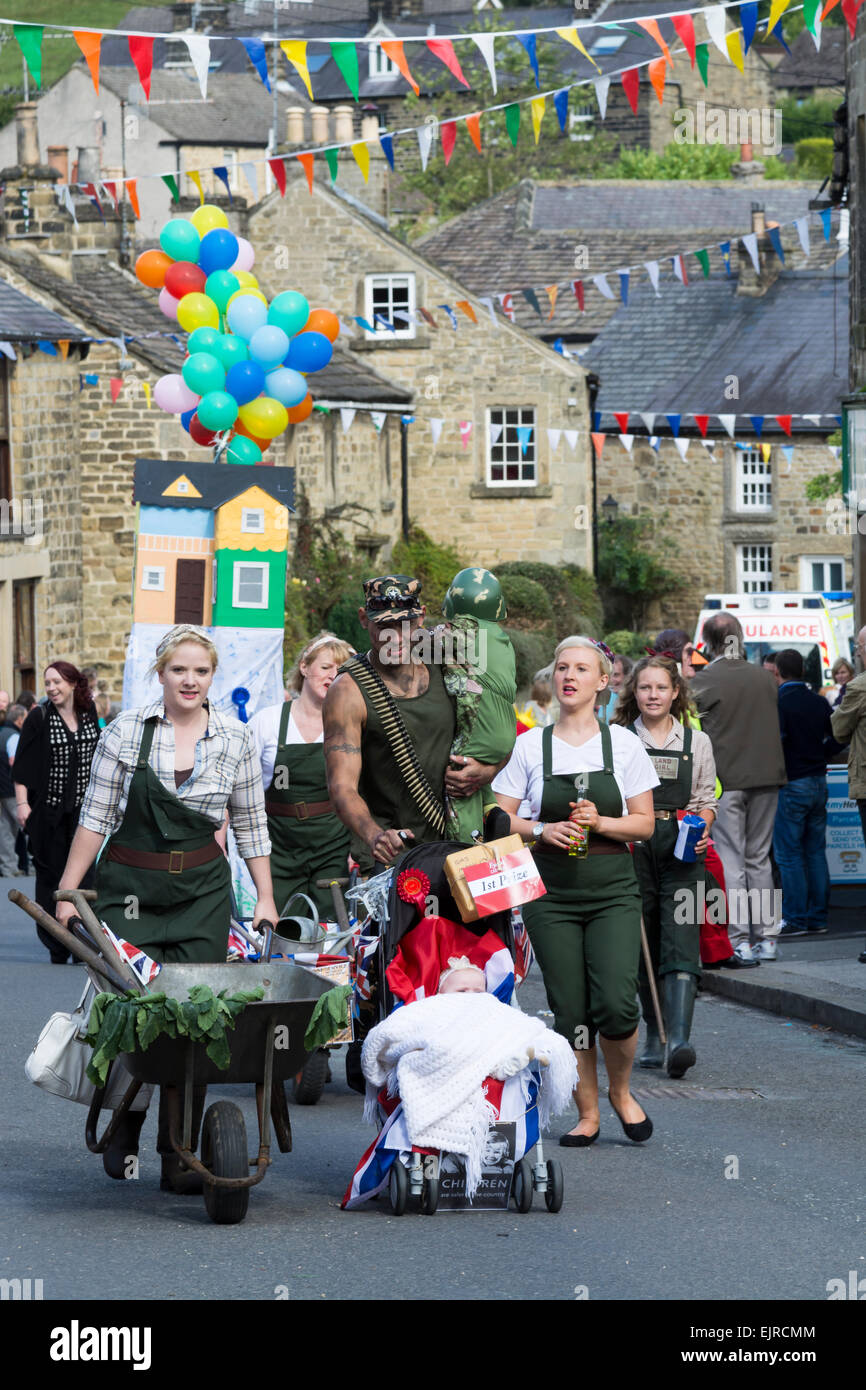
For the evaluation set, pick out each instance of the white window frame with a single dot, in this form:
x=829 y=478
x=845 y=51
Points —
x=375 y=281
x=213 y=589
x=497 y=454
x=806 y=580
x=584 y=116
x=755 y=567
x=250 y=519
x=159 y=570
x=379 y=64
x=237 y=566
x=754 y=481
x=232 y=165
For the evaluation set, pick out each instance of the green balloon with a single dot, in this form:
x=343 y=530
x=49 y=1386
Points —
x=217 y=410
x=230 y=350
x=180 y=240
x=204 y=373
x=220 y=286
x=203 y=340
x=243 y=450
x=289 y=311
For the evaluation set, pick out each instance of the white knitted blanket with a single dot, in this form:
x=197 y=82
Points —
x=436 y=1054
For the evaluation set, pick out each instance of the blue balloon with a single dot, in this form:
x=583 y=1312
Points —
x=245 y=381
x=268 y=346
x=218 y=251
x=309 y=352
x=186 y=417
x=245 y=314
x=286 y=386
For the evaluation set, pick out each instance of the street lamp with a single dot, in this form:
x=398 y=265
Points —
x=854 y=490
x=610 y=509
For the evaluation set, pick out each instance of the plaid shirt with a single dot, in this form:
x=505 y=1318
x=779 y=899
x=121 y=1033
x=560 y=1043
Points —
x=227 y=771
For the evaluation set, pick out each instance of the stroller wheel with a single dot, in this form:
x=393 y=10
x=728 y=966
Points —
x=398 y=1188
x=430 y=1196
x=310 y=1080
x=521 y=1185
x=555 y=1190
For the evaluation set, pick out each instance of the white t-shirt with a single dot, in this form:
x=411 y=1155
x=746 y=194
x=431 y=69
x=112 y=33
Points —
x=523 y=775
x=265 y=729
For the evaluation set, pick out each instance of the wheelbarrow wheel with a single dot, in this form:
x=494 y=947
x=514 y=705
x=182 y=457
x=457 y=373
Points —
x=555 y=1190
x=224 y=1153
x=310 y=1081
x=398 y=1187
x=521 y=1185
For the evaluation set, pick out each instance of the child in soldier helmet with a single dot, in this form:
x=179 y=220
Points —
x=482 y=679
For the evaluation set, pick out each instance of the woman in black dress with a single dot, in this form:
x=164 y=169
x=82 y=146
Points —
x=52 y=769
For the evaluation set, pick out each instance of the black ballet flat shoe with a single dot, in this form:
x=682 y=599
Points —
x=638 y=1133
x=578 y=1141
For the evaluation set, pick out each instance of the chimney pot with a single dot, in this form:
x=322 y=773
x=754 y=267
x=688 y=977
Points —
x=746 y=152
x=58 y=158
x=295 y=125
x=759 y=219
x=88 y=164
x=370 y=128
x=343 y=124
x=27 y=131
x=320 y=125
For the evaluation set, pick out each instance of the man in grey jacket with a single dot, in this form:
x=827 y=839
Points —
x=738 y=706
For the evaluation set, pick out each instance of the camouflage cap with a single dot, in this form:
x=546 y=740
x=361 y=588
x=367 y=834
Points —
x=392 y=596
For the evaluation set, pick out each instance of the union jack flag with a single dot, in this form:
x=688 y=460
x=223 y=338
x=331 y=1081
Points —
x=144 y=966
x=523 y=952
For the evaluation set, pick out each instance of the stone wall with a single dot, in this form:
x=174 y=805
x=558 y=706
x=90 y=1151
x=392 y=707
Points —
x=856 y=96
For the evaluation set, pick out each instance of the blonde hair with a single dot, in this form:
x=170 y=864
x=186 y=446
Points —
x=182 y=632
x=342 y=651
x=587 y=642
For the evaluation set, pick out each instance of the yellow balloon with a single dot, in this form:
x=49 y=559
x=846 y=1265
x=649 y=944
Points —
x=205 y=218
x=264 y=417
x=197 y=311
x=247 y=279
x=257 y=294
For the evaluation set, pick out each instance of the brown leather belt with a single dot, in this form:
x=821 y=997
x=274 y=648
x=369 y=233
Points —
x=174 y=862
x=604 y=846
x=299 y=810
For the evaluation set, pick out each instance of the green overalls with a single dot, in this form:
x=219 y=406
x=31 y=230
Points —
x=669 y=888
x=303 y=847
x=585 y=931
x=176 y=915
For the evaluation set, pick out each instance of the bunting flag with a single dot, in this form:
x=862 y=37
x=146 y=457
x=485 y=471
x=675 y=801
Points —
x=560 y=105
x=598 y=444
x=602 y=87
x=363 y=323
x=552 y=291
x=750 y=241
x=425 y=140
x=296 y=52
x=63 y=344
x=393 y=49
x=825 y=215
x=29 y=40
x=222 y=173
x=685 y=28
x=446 y=308
x=757 y=424
x=485 y=43
x=679 y=268
x=788 y=451
x=775 y=236
x=145 y=386
x=199 y=54
x=171 y=184
x=443 y=49
x=378 y=417
x=141 y=53
x=810 y=15
x=111 y=189
x=256 y=54
x=766 y=450
x=652 y=270
x=623 y=285
x=536 y=107
x=553 y=438
x=495 y=433
x=306 y=160
x=715 y=20
x=630 y=80
x=728 y=422
x=361 y=152
x=532 y=298
x=90 y=45
x=777 y=9
x=702 y=57
x=473 y=126
x=249 y=169
x=571 y=36
x=194 y=177
x=734 y=45
x=90 y=190
x=345 y=55
x=278 y=169
x=132 y=195
x=622 y=420
x=387 y=144
x=46 y=347
x=656 y=71
x=571 y=439
x=600 y=282
x=512 y=122
x=347 y=415
x=674 y=422
x=652 y=28
x=784 y=423
x=436 y=430
x=749 y=21
x=577 y=286
x=626 y=440
x=703 y=260
x=524 y=435
x=682 y=446
x=649 y=421
x=116 y=385
x=802 y=225
x=725 y=248
x=448 y=132
x=529 y=43
x=465 y=427
x=702 y=421
x=466 y=308
x=487 y=301
x=507 y=302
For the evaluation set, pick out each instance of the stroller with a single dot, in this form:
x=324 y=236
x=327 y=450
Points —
x=392 y=1162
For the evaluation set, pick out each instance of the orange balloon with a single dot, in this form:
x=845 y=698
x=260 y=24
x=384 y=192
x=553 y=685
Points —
x=240 y=428
x=297 y=413
x=151 y=267
x=323 y=321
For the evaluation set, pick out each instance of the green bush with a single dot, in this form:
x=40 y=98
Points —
x=343 y=620
x=814 y=158
x=528 y=603
x=435 y=565
x=585 y=590
x=623 y=642
x=573 y=596
x=532 y=650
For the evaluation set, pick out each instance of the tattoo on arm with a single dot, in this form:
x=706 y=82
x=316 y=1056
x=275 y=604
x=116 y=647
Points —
x=342 y=748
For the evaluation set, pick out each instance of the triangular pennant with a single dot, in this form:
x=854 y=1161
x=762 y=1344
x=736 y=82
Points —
x=306 y=161
x=709 y=446
x=784 y=423
x=111 y=189
x=630 y=80
x=757 y=424
x=679 y=269
x=132 y=195
x=682 y=446
x=466 y=308
x=725 y=250
x=602 y=87
x=652 y=270
x=749 y=21
x=116 y=384
x=361 y=151
x=378 y=417
x=448 y=132
x=652 y=28
x=363 y=323
x=252 y=177
x=347 y=415
x=714 y=18
x=560 y=105
x=623 y=285
x=278 y=169
x=393 y=49
x=425 y=140
x=734 y=45
x=775 y=235
x=571 y=36
x=345 y=55
x=788 y=451
x=495 y=433
x=63 y=344
x=512 y=121
x=571 y=439
x=702 y=421
x=813 y=419
x=750 y=241
x=825 y=215
x=648 y=421
x=90 y=190
x=655 y=442
x=465 y=428
x=577 y=286
x=29 y=39
x=296 y=52
x=257 y=56
x=171 y=184
x=436 y=430
x=194 y=177
x=443 y=49
x=656 y=70
x=485 y=42
x=145 y=386
x=532 y=298
x=69 y=203
x=199 y=54
x=551 y=291
x=729 y=423
x=507 y=302
x=596 y=419
x=387 y=144
x=524 y=434
x=598 y=443
x=810 y=15
x=536 y=107
x=674 y=422
x=45 y=346
x=703 y=260
x=802 y=225
x=685 y=27
x=451 y=314
x=766 y=450
x=600 y=282
x=777 y=9
x=222 y=173
x=529 y=42
x=830 y=5
x=702 y=57
x=90 y=45
x=553 y=438
x=141 y=53
x=487 y=301
x=626 y=440
x=473 y=125
x=621 y=418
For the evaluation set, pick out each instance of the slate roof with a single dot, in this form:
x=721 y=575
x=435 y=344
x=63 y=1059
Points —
x=789 y=350
x=807 y=66
x=23 y=320
x=528 y=235
x=217 y=483
x=238 y=111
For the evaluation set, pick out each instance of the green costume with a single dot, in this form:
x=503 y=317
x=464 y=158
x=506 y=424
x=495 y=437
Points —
x=585 y=931
x=180 y=914
x=304 y=846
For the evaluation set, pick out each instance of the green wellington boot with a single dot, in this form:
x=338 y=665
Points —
x=653 y=1052
x=680 y=988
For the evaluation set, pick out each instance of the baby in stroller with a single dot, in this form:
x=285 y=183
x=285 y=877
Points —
x=450 y=1063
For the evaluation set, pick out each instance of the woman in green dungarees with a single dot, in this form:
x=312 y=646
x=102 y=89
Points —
x=308 y=841
x=585 y=931
x=161 y=780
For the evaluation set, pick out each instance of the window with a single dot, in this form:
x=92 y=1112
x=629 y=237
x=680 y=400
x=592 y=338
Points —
x=249 y=585
x=820 y=573
x=230 y=160
x=754 y=569
x=607 y=43
x=24 y=639
x=253 y=520
x=380 y=64
x=511 y=448
x=387 y=296
x=754 y=482
x=153 y=577
x=581 y=121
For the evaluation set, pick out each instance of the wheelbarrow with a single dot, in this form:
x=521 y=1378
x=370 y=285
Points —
x=266 y=1045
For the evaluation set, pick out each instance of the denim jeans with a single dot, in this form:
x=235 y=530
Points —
x=799 y=846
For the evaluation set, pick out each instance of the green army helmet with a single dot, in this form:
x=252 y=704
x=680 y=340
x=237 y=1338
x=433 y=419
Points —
x=475 y=593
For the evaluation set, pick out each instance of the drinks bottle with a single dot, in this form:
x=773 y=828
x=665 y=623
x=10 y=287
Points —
x=580 y=847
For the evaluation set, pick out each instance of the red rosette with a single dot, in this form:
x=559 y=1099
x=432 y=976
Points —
x=413 y=885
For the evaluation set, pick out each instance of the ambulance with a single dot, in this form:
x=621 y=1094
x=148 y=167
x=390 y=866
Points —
x=820 y=626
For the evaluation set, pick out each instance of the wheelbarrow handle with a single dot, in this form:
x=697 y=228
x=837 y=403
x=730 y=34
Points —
x=68 y=939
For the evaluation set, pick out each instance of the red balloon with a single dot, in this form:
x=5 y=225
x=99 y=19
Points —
x=182 y=277
x=199 y=433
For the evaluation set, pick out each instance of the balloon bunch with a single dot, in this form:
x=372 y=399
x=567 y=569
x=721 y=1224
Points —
x=248 y=359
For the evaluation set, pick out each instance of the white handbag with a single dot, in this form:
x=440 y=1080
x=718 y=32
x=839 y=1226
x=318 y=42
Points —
x=58 y=1063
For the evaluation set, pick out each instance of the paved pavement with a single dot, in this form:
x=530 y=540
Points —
x=751 y=1187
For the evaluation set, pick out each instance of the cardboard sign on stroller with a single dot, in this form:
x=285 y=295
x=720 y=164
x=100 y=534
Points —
x=493 y=878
